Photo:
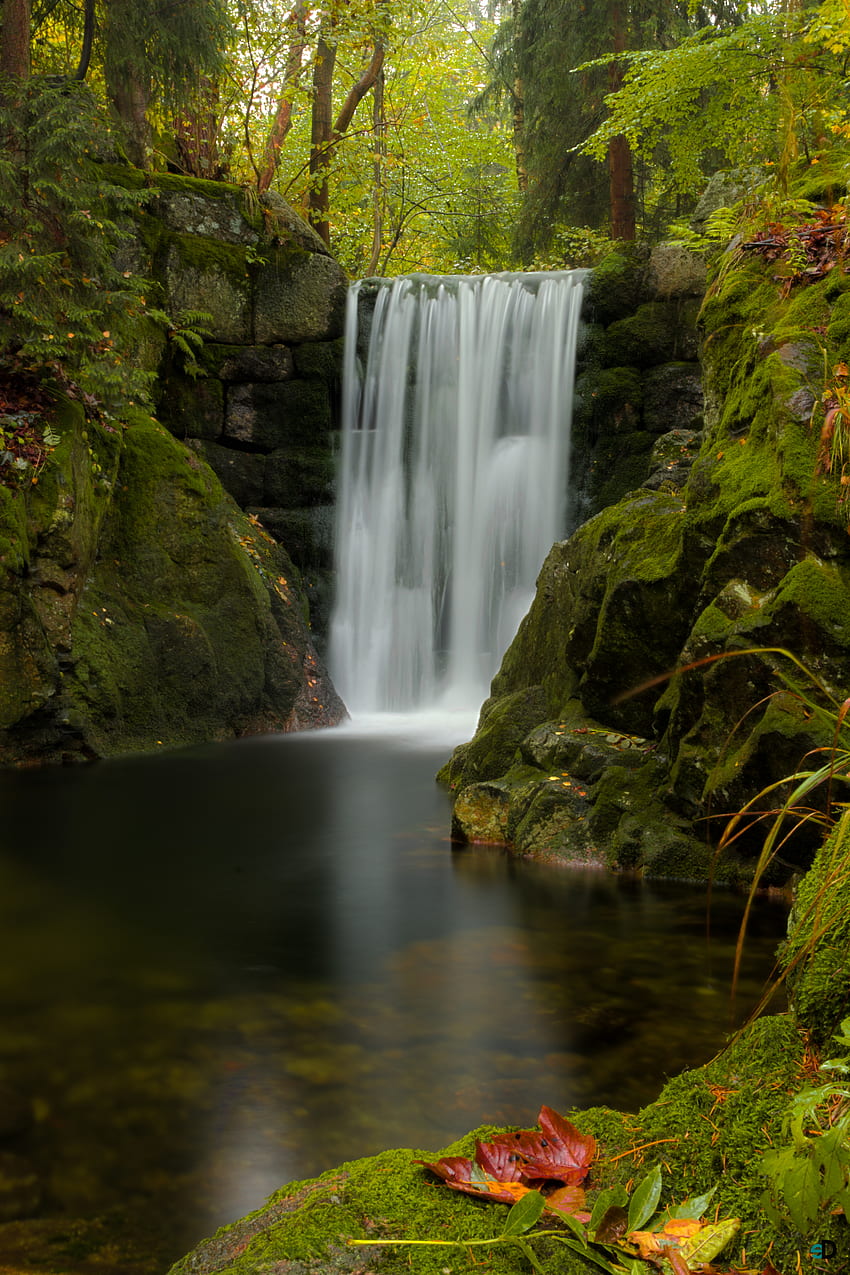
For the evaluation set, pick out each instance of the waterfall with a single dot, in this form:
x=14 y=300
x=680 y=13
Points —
x=453 y=480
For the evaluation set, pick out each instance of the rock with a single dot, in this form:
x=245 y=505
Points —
x=20 y=1189
x=272 y=363
x=272 y=416
x=725 y=189
x=180 y=620
x=300 y=297
x=206 y=277
x=672 y=397
x=733 y=550
x=16 y=1113
x=675 y=271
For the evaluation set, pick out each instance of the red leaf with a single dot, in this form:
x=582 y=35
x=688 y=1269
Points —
x=472 y=1179
x=558 y=1153
x=499 y=1160
x=568 y=1199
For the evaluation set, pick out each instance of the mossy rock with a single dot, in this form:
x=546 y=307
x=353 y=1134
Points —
x=152 y=613
x=816 y=956
x=707 y=1130
x=503 y=724
x=300 y=297
x=191 y=409
x=658 y=332
x=618 y=284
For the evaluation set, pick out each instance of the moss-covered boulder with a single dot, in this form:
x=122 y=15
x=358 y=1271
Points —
x=254 y=292
x=139 y=608
x=743 y=549
x=707 y=1131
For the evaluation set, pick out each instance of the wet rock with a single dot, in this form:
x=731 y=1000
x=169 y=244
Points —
x=16 y=1113
x=20 y=1189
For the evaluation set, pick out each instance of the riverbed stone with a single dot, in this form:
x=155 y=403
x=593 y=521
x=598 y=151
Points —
x=20 y=1189
x=16 y=1111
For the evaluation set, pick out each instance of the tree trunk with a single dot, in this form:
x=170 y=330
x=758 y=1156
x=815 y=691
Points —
x=15 y=39
x=318 y=197
x=196 y=134
x=325 y=134
x=620 y=170
x=128 y=82
x=88 y=40
x=379 y=135
x=282 y=121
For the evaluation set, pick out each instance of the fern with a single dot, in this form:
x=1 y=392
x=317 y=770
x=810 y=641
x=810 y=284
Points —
x=63 y=300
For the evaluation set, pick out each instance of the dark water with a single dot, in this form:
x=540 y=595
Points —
x=227 y=968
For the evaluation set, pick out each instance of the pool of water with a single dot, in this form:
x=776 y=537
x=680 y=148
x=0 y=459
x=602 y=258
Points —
x=229 y=967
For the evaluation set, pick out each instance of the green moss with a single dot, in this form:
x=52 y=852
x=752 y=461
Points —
x=616 y=285
x=197 y=186
x=713 y=1123
x=816 y=956
x=819 y=594
x=211 y=255
x=706 y=1130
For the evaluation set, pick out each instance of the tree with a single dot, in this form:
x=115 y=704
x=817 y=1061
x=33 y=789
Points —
x=568 y=59
x=760 y=93
x=357 y=113
x=157 y=57
x=15 y=39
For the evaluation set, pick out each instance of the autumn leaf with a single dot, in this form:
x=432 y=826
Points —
x=462 y=1175
x=558 y=1153
x=505 y=1167
x=569 y=1200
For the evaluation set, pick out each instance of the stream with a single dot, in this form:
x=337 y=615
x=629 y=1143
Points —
x=232 y=966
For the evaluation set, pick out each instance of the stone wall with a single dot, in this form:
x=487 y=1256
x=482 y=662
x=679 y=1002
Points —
x=263 y=411
x=639 y=406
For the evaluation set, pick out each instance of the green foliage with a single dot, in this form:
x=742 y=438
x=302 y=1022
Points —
x=64 y=302
x=186 y=334
x=613 y=1237
x=761 y=92
x=809 y=1177
x=172 y=45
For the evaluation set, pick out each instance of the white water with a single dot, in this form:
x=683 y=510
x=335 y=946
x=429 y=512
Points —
x=453 y=481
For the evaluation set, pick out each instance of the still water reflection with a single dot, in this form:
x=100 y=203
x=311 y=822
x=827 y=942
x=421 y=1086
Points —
x=229 y=967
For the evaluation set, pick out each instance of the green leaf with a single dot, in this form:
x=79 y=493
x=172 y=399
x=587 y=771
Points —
x=524 y=1214
x=801 y=1192
x=693 y=1207
x=645 y=1199
x=590 y=1254
x=529 y=1251
x=611 y=1195
x=710 y=1241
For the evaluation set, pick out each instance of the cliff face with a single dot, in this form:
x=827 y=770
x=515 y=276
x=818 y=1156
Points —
x=139 y=606
x=575 y=756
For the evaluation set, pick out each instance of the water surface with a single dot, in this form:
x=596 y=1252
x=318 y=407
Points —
x=225 y=968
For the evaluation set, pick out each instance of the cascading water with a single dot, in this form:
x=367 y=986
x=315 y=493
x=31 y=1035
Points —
x=453 y=480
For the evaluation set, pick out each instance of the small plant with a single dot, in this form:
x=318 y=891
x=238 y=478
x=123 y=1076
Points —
x=65 y=305
x=809 y=1177
x=186 y=335
x=542 y=1174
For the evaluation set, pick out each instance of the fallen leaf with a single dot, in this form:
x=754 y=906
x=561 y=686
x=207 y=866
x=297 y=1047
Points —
x=462 y=1175
x=568 y=1199
x=558 y=1153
